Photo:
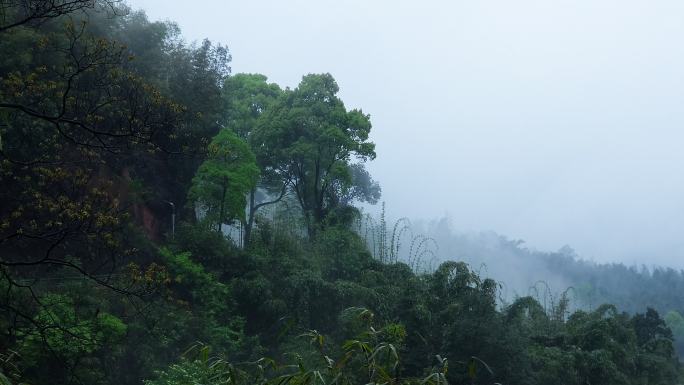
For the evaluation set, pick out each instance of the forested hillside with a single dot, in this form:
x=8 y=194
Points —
x=164 y=221
x=522 y=271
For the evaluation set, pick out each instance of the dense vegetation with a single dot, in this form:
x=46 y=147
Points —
x=127 y=157
x=546 y=275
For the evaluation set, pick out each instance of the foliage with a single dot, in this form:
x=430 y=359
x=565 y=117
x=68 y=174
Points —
x=247 y=97
x=224 y=179
x=366 y=358
x=108 y=119
x=314 y=140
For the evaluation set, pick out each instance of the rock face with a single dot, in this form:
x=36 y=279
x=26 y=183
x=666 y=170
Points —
x=144 y=214
x=147 y=219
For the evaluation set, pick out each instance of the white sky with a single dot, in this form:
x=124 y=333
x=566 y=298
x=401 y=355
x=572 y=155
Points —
x=556 y=122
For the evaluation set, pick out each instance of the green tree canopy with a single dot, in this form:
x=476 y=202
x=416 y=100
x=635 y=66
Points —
x=222 y=182
x=247 y=97
x=314 y=140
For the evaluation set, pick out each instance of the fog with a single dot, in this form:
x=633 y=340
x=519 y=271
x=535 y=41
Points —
x=550 y=122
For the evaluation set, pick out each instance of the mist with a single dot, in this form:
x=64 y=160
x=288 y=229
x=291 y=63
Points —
x=341 y=192
x=552 y=123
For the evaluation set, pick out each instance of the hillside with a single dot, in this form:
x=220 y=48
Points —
x=165 y=221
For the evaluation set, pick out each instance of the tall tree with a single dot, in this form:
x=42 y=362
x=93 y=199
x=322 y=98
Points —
x=222 y=182
x=247 y=97
x=314 y=140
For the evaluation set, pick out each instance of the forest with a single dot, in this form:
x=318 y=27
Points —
x=166 y=221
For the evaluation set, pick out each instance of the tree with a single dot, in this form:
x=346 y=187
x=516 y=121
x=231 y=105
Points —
x=247 y=96
x=14 y=13
x=70 y=114
x=74 y=115
x=355 y=184
x=314 y=140
x=222 y=182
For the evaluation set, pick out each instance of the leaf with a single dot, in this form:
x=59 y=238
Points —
x=4 y=380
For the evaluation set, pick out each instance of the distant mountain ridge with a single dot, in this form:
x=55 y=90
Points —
x=522 y=271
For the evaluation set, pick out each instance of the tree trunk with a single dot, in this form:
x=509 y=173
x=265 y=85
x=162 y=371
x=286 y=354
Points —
x=221 y=211
x=250 y=219
x=253 y=208
x=312 y=223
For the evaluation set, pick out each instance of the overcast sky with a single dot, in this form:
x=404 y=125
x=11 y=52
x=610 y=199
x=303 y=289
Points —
x=555 y=122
